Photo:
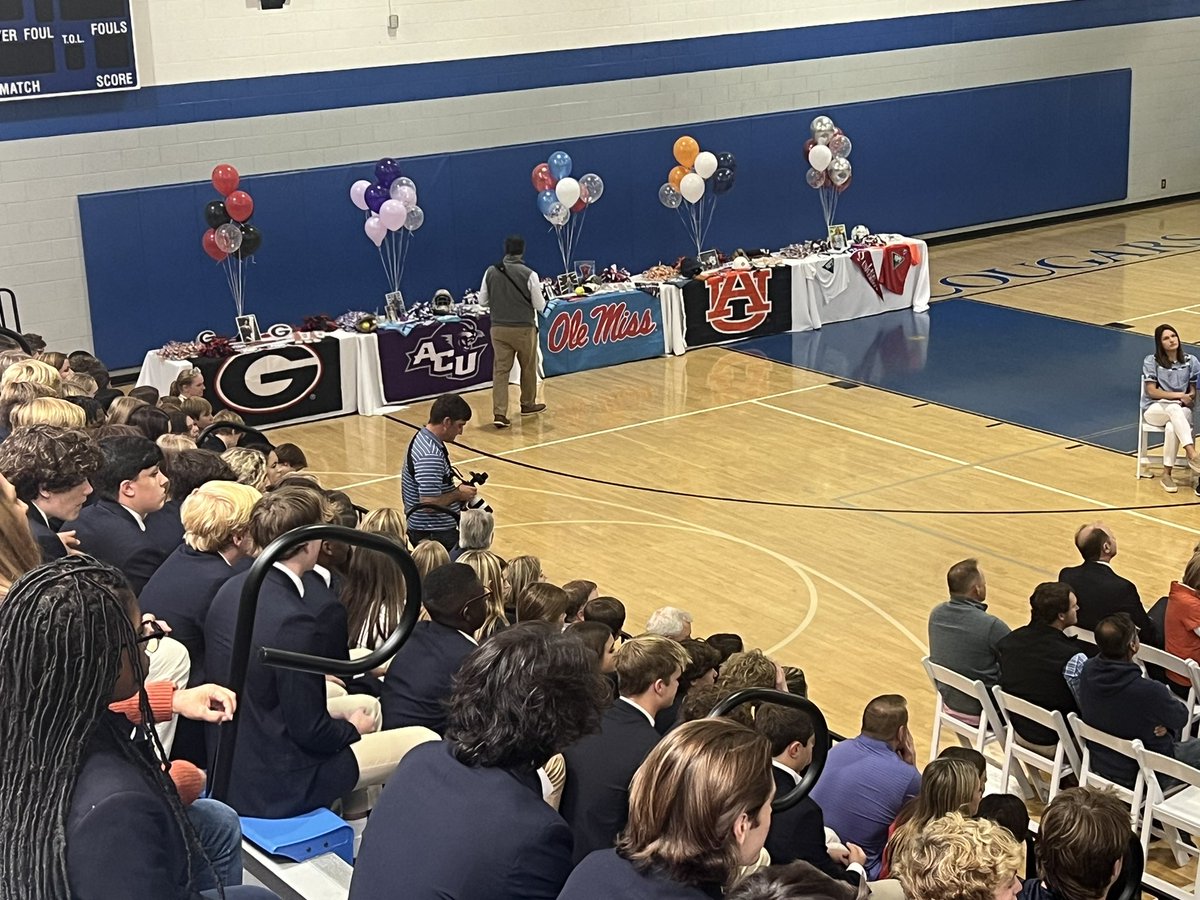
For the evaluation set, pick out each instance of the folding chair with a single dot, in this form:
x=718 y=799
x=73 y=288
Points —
x=1082 y=634
x=1066 y=759
x=985 y=730
x=1144 y=430
x=1176 y=810
x=1185 y=668
x=1085 y=734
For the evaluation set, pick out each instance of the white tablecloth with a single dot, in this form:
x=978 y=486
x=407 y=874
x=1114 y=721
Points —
x=160 y=373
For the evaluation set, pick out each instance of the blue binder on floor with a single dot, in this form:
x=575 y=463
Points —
x=302 y=837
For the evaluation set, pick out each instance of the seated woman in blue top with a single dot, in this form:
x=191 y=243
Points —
x=1169 y=397
x=72 y=642
x=699 y=809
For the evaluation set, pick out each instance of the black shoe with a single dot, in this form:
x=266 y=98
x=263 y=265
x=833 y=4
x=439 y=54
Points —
x=531 y=410
x=500 y=421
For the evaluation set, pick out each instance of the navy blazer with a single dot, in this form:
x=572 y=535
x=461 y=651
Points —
x=600 y=767
x=107 y=531
x=443 y=830
x=799 y=833
x=605 y=875
x=165 y=526
x=180 y=593
x=419 y=678
x=122 y=838
x=292 y=756
x=1101 y=592
x=46 y=535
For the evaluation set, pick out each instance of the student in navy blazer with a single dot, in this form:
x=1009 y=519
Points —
x=418 y=680
x=699 y=809
x=50 y=468
x=130 y=487
x=186 y=470
x=595 y=799
x=73 y=630
x=464 y=818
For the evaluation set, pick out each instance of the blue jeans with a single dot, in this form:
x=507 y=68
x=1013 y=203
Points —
x=220 y=833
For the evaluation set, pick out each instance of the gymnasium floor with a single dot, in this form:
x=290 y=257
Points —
x=877 y=454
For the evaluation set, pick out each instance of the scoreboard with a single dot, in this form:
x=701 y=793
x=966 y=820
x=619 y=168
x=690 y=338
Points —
x=50 y=47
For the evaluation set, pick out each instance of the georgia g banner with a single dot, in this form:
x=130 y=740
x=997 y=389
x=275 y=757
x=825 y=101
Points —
x=278 y=384
x=737 y=303
x=602 y=330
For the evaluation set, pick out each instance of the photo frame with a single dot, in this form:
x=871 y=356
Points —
x=584 y=269
x=247 y=329
x=709 y=259
x=837 y=237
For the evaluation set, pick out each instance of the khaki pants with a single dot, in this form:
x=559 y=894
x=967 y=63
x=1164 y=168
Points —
x=509 y=342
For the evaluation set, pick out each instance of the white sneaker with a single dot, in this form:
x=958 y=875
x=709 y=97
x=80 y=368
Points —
x=1168 y=484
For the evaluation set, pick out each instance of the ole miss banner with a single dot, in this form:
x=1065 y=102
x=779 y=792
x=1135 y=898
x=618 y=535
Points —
x=737 y=303
x=602 y=330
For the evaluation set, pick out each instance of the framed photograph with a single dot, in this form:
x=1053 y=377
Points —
x=584 y=269
x=247 y=327
x=837 y=237
x=709 y=259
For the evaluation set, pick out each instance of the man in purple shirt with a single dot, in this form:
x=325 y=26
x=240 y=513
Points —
x=866 y=780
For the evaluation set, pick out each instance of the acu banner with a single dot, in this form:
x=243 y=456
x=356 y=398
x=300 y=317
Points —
x=438 y=357
x=738 y=303
x=277 y=384
x=603 y=330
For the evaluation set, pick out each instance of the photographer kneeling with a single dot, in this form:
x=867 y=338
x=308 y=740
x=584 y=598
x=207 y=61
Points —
x=429 y=478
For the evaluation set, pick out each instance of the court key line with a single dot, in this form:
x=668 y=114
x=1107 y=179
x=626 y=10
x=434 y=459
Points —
x=985 y=469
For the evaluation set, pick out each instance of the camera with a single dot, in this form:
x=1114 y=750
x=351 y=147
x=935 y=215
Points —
x=477 y=479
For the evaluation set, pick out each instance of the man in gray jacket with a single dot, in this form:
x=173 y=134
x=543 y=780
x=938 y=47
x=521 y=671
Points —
x=513 y=292
x=963 y=635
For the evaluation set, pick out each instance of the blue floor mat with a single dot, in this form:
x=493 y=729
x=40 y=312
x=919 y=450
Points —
x=1067 y=378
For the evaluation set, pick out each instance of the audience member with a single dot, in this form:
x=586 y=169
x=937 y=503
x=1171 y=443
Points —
x=189 y=383
x=284 y=460
x=222 y=439
x=699 y=809
x=728 y=644
x=47 y=411
x=77 y=781
x=1040 y=664
x=151 y=422
x=956 y=858
x=429 y=556
x=793 y=677
x=121 y=409
x=1115 y=697
x=1083 y=838
x=292 y=755
x=579 y=592
x=947 y=785
x=14 y=395
x=796 y=881
x=249 y=466
x=701 y=669
x=868 y=778
x=419 y=679
x=428 y=478
x=751 y=668
x=147 y=393
x=89 y=365
x=50 y=468
x=490 y=569
x=547 y=602
x=185 y=471
x=56 y=360
x=33 y=370
x=963 y=635
x=799 y=832
x=971 y=755
x=181 y=423
x=1182 y=622
x=600 y=766
x=608 y=610
x=19 y=551
x=93 y=413
x=671 y=622
x=174 y=443
x=522 y=572
x=598 y=638
x=130 y=487
x=1010 y=811
x=475 y=530
x=198 y=410
x=465 y=817
x=374 y=589
x=1100 y=591
x=80 y=385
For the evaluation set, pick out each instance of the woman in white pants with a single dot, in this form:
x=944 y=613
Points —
x=1168 y=397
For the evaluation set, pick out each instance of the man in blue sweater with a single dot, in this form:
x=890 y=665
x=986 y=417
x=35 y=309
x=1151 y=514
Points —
x=1117 y=698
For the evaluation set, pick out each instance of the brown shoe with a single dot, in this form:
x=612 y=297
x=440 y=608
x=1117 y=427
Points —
x=531 y=410
x=500 y=421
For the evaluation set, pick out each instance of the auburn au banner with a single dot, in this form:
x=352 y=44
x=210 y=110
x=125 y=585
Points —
x=738 y=303
x=277 y=385
x=601 y=330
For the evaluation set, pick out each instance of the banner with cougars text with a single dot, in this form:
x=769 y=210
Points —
x=737 y=303
x=601 y=330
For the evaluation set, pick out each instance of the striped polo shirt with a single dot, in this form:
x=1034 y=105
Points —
x=427 y=458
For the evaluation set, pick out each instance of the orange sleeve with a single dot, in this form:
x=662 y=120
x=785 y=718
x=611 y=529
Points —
x=189 y=781
x=160 y=694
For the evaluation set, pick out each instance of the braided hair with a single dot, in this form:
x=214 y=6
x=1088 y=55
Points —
x=65 y=635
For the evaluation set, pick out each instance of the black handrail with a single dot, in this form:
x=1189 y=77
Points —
x=15 y=335
x=244 y=633
x=820 y=734
x=12 y=296
x=230 y=426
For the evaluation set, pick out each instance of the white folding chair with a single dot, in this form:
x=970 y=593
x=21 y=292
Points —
x=1082 y=634
x=1066 y=759
x=1144 y=459
x=1086 y=735
x=1185 y=668
x=986 y=730
x=1176 y=810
